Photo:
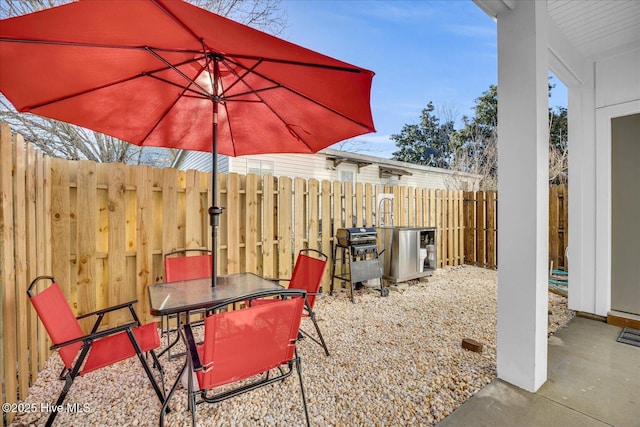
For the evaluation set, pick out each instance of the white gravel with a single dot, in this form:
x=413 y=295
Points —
x=394 y=361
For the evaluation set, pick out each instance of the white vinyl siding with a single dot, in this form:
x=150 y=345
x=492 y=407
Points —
x=291 y=165
x=321 y=166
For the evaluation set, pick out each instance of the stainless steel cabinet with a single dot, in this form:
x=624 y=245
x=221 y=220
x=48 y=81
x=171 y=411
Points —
x=409 y=253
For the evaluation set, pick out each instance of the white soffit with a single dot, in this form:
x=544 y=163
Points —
x=596 y=28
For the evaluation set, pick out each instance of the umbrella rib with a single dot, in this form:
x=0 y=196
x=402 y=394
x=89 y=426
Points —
x=83 y=92
x=274 y=60
x=233 y=146
x=106 y=85
x=279 y=117
x=202 y=95
x=313 y=101
x=256 y=93
x=299 y=63
x=239 y=77
x=176 y=19
x=164 y=114
x=276 y=84
x=184 y=91
x=94 y=45
x=171 y=66
x=249 y=92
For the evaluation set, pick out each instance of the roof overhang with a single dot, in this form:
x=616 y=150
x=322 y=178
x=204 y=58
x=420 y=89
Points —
x=582 y=29
x=338 y=160
x=386 y=171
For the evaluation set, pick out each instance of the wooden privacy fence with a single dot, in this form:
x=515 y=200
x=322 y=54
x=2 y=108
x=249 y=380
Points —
x=559 y=226
x=481 y=227
x=102 y=230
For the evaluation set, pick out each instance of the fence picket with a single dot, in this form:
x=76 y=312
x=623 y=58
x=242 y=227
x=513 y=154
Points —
x=232 y=214
x=491 y=227
x=20 y=227
x=32 y=255
x=251 y=224
x=368 y=205
x=86 y=183
x=144 y=248
x=469 y=227
x=285 y=210
x=325 y=230
x=8 y=345
x=268 y=227
x=299 y=214
x=118 y=285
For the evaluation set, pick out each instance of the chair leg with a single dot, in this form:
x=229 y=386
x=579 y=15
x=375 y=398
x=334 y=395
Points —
x=167 y=332
x=63 y=373
x=68 y=381
x=351 y=286
x=67 y=385
x=321 y=341
x=158 y=366
x=304 y=398
x=192 y=399
x=165 y=405
x=146 y=367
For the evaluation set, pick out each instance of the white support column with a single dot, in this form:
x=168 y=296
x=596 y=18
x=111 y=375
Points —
x=523 y=187
x=582 y=195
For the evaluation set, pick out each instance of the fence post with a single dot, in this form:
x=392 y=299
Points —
x=8 y=344
x=492 y=232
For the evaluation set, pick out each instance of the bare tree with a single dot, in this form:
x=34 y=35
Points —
x=479 y=156
x=266 y=15
x=558 y=165
x=61 y=139
x=356 y=145
x=558 y=146
x=21 y=7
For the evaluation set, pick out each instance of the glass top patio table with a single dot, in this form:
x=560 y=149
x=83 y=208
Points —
x=196 y=294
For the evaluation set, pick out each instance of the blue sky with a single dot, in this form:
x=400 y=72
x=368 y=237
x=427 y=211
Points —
x=421 y=51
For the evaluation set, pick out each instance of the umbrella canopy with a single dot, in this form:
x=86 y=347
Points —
x=143 y=71
x=168 y=74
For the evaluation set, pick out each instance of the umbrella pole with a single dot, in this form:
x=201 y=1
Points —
x=214 y=211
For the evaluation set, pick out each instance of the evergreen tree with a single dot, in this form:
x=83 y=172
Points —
x=474 y=148
x=426 y=143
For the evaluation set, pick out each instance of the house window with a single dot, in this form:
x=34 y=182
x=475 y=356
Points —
x=260 y=167
x=347 y=172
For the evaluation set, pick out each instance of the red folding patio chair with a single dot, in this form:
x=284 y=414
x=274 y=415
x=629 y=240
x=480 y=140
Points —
x=243 y=349
x=184 y=267
x=82 y=353
x=307 y=275
x=187 y=266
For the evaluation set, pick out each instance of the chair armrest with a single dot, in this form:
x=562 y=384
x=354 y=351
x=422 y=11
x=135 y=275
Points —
x=192 y=348
x=108 y=309
x=96 y=335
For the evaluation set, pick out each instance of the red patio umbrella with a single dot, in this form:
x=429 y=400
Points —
x=168 y=74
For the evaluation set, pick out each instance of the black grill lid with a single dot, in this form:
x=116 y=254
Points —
x=356 y=236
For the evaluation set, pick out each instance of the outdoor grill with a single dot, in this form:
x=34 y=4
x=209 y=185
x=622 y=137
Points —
x=360 y=259
x=359 y=240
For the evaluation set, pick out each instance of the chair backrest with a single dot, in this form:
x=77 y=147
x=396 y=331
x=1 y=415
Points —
x=186 y=267
x=242 y=343
x=307 y=273
x=58 y=319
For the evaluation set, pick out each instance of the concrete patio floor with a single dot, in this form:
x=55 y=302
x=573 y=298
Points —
x=593 y=380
